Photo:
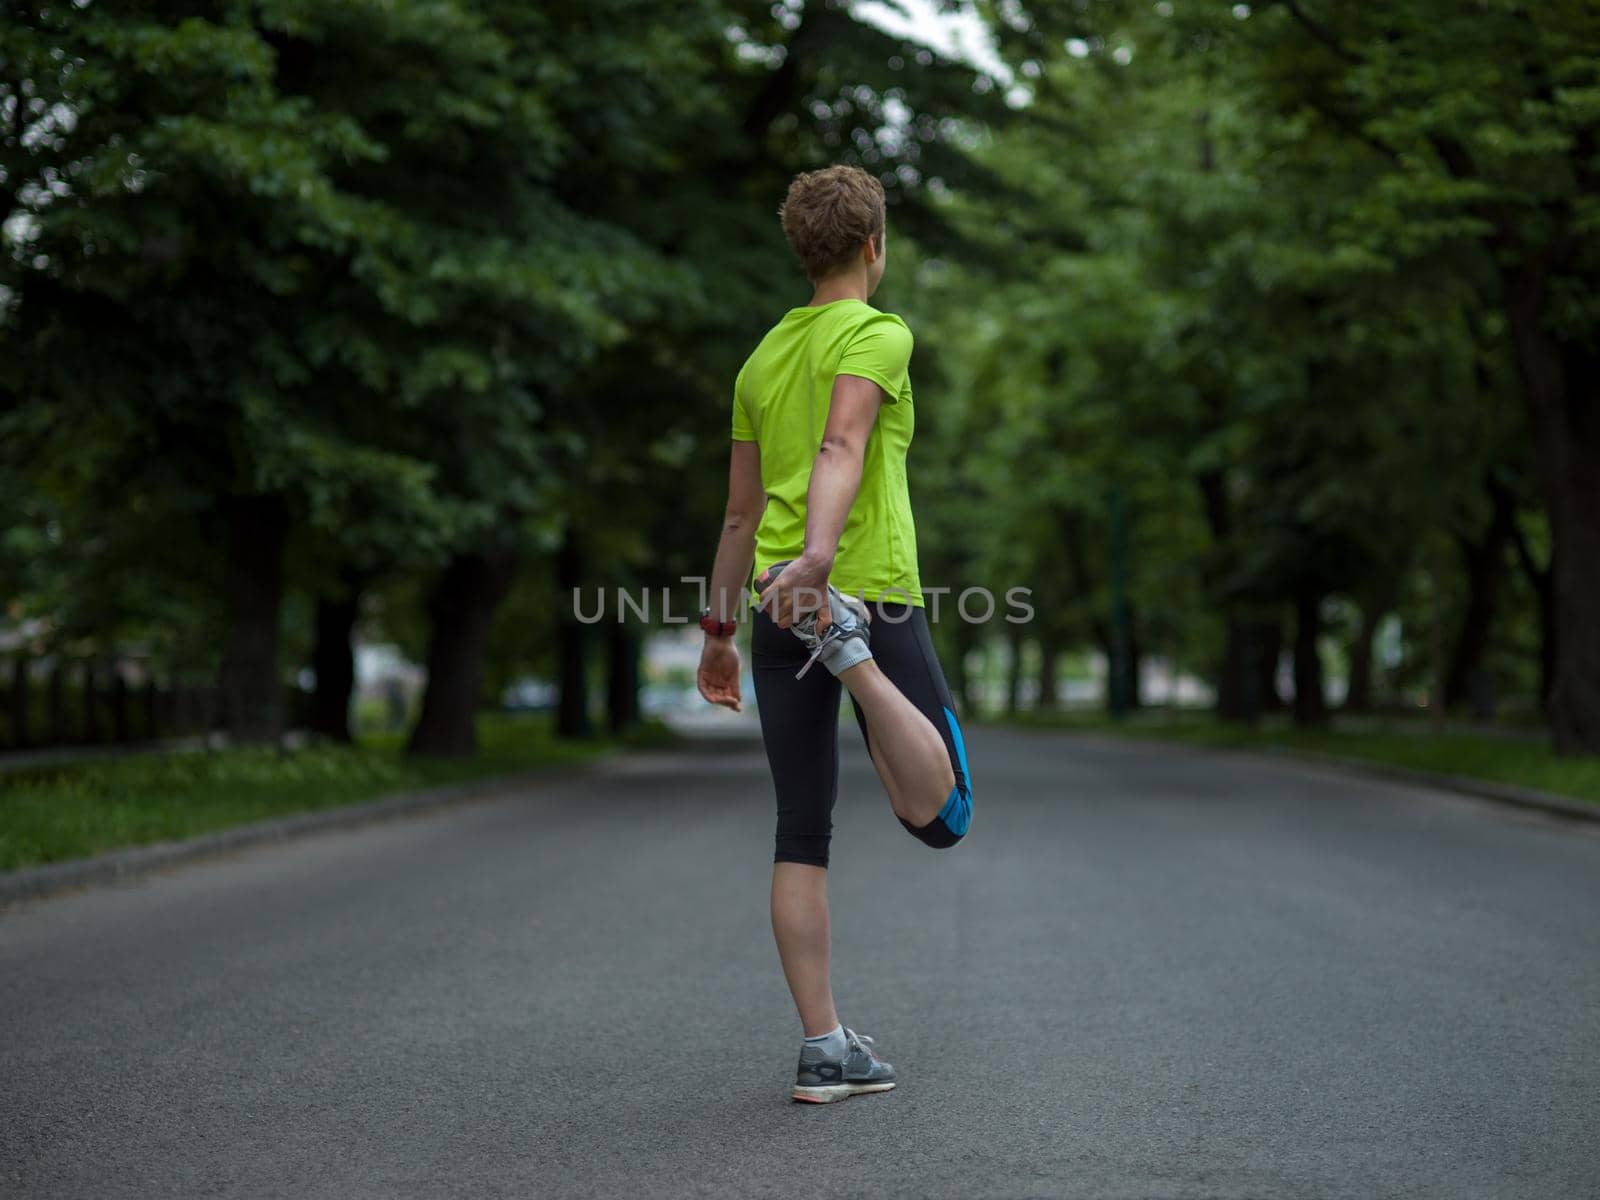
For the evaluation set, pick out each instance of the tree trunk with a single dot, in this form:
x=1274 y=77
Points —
x=56 y=703
x=1358 y=696
x=121 y=715
x=1310 y=708
x=960 y=675
x=248 y=683
x=91 y=711
x=1122 y=665
x=1014 y=670
x=183 y=707
x=167 y=722
x=1266 y=638
x=1560 y=382
x=1239 y=690
x=1539 y=578
x=1484 y=560
x=150 y=708
x=185 y=712
x=964 y=643
x=334 y=662
x=1134 y=664
x=622 y=680
x=460 y=612
x=1233 y=681
x=572 y=711
x=1047 y=674
x=19 y=702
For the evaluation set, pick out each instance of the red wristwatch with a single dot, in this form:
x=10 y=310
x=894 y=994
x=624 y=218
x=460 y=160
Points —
x=715 y=627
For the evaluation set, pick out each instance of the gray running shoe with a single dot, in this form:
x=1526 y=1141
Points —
x=822 y=1080
x=844 y=644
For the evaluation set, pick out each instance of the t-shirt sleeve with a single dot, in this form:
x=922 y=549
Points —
x=744 y=429
x=880 y=351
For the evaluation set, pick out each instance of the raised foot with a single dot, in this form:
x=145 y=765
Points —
x=846 y=642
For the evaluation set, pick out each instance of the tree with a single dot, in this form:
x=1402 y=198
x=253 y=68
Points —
x=355 y=276
x=1487 y=121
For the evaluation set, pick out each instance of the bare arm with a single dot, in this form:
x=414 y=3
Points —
x=836 y=474
x=736 y=549
x=719 y=673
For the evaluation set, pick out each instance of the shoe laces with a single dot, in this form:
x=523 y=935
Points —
x=861 y=1042
x=833 y=635
x=815 y=654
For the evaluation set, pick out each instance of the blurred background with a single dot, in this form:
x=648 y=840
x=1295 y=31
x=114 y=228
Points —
x=343 y=344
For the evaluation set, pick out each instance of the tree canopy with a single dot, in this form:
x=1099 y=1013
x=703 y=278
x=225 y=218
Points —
x=1243 y=330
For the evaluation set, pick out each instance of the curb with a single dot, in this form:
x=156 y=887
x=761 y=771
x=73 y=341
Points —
x=1466 y=785
x=29 y=883
x=1485 y=789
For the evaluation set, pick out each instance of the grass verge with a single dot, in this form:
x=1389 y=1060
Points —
x=1497 y=758
x=54 y=813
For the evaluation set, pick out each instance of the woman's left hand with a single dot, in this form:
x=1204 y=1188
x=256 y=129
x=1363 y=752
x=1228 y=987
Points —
x=799 y=588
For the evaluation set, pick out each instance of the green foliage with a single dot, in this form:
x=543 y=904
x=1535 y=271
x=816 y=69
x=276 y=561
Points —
x=55 y=813
x=1497 y=758
x=473 y=277
x=1251 y=302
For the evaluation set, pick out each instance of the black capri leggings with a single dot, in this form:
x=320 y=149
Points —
x=800 y=726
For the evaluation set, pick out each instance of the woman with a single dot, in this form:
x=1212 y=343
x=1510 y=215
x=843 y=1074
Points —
x=818 y=506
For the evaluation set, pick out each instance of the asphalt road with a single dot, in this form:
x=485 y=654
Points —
x=1147 y=973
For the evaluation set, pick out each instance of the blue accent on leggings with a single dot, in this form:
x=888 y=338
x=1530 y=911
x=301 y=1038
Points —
x=957 y=811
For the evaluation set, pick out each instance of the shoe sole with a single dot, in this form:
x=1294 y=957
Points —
x=837 y=1091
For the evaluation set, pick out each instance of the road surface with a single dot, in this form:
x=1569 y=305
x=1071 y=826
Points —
x=1149 y=972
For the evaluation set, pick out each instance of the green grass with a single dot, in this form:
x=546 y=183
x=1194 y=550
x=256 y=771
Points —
x=1500 y=758
x=50 y=814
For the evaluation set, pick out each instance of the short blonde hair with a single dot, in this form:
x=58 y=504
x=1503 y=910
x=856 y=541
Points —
x=828 y=214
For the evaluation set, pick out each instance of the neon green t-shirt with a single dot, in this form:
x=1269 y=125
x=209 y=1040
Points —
x=780 y=401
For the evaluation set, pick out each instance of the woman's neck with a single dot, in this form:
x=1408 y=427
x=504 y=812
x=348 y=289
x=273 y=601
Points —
x=840 y=287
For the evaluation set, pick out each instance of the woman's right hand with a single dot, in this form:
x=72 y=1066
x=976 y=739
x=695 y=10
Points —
x=718 y=677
